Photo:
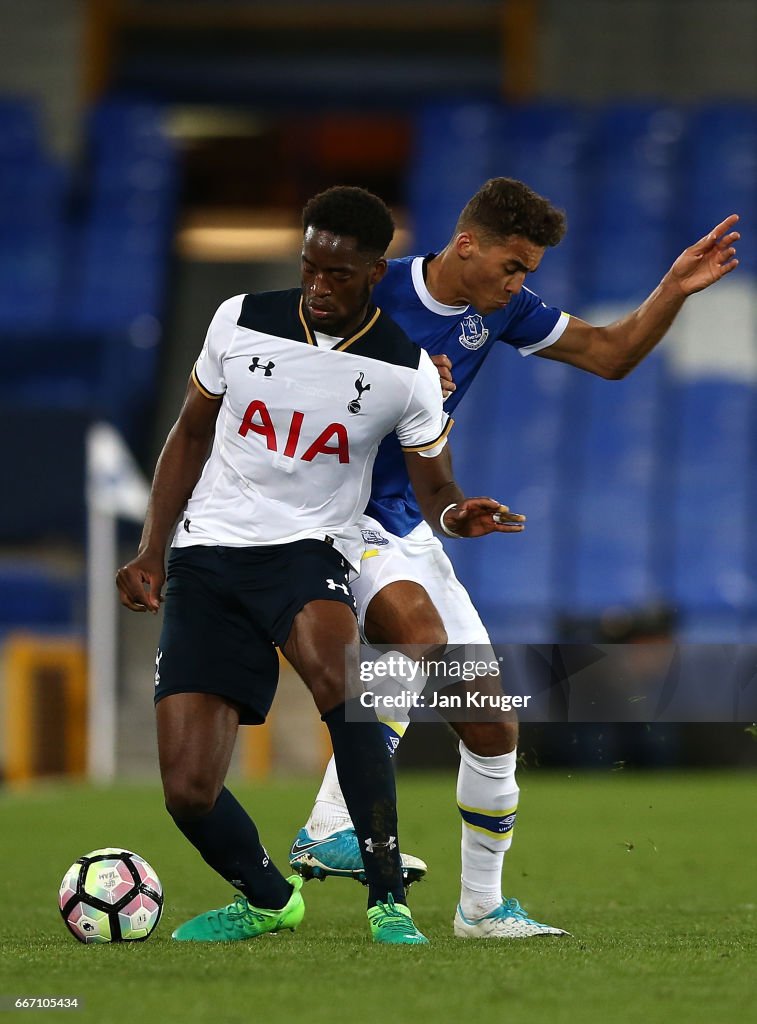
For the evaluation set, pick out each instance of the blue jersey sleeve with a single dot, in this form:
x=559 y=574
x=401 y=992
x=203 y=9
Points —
x=529 y=324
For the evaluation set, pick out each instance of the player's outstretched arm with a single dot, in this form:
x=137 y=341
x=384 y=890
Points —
x=438 y=494
x=613 y=351
x=141 y=580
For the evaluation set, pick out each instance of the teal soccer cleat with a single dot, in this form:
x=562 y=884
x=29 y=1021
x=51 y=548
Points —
x=339 y=855
x=391 y=923
x=507 y=921
x=240 y=920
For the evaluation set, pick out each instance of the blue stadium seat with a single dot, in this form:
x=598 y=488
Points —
x=545 y=145
x=714 y=625
x=615 y=500
x=511 y=449
x=452 y=159
x=33 y=597
x=720 y=173
x=712 y=509
x=636 y=152
x=20 y=136
x=33 y=228
x=122 y=246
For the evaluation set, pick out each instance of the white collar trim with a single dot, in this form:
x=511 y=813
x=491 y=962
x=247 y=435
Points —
x=425 y=295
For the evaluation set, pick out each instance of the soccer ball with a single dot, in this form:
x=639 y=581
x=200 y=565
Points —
x=111 y=895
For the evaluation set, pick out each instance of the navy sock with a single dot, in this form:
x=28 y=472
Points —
x=228 y=841
x=364 y=769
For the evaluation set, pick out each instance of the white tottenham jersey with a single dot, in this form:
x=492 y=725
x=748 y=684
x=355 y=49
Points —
x=299 y=426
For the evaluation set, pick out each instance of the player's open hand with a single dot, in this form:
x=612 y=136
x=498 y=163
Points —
x=475 y=517
x=709 y=259
x=140 y=583
x=444 y=366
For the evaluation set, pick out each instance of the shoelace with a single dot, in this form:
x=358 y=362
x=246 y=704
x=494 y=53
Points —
x=392 y=919
x=243 y=911
x=511 y=908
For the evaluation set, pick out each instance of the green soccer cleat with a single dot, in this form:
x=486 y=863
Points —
x=240 y=920
x=391 y=923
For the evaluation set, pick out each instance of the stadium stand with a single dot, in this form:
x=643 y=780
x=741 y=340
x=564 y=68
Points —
x=710 y=515
x=84 y=258
x=546 y=146
x=636 y=492
x=84 y=255
x=32 y=232
x=453 y=154
x=633 y=174
x=33 y=597
x=516 y=449
x=720 y=161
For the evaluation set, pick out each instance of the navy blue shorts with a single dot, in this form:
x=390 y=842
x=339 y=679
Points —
x=227 y=609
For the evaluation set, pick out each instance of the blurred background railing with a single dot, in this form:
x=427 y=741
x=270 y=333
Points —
x=153 y=160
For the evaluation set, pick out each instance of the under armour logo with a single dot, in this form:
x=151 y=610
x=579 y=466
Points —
x=256 y=364
x=186 y=524
x=337 y=586
x=372 y=847
x=354 y=405
x=158 y=656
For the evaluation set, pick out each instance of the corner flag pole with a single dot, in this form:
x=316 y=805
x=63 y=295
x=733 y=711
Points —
x=115 y=489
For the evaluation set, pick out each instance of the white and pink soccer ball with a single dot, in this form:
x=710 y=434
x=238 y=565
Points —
x=111 y=895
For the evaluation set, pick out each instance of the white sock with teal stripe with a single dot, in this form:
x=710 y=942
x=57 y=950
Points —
x=487 y=797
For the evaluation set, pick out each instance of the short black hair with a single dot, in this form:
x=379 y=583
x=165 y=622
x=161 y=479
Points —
x=354 y=212
x=504 y=207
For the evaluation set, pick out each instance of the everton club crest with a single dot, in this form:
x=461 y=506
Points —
x=473 y=334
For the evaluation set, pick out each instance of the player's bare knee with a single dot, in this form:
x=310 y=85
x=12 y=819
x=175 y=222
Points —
x=420 y=629
x=423 y=636
x=403 y=615
x=189 y=796
x=328 y=689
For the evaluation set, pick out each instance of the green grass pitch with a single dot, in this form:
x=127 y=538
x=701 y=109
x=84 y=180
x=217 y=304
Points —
x=652 y=872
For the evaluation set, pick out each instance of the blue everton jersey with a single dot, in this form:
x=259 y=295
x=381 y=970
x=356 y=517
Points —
x=466 y=338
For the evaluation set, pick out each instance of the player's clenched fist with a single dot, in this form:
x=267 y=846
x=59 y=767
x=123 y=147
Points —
x=140 y=583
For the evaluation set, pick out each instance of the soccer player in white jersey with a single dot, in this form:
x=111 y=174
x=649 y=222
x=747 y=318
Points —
x=294 y=390
x=458 y=304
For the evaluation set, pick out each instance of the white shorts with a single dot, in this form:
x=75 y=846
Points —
x=420 y=558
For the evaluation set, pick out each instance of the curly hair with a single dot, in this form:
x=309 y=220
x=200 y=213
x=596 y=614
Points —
x=504 y=207
x=355 y=212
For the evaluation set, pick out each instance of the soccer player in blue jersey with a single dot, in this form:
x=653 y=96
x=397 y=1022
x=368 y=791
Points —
x=458 y=304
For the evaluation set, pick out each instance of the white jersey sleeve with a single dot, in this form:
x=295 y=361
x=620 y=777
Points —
x=208 y=373
x=424 y=424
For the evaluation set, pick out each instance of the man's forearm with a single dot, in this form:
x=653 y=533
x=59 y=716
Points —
x=434 y=504
x=433 y=484
x=633 y=337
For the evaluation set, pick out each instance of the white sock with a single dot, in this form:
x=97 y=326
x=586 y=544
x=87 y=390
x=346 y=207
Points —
x=329 y=812
x=487 y=797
